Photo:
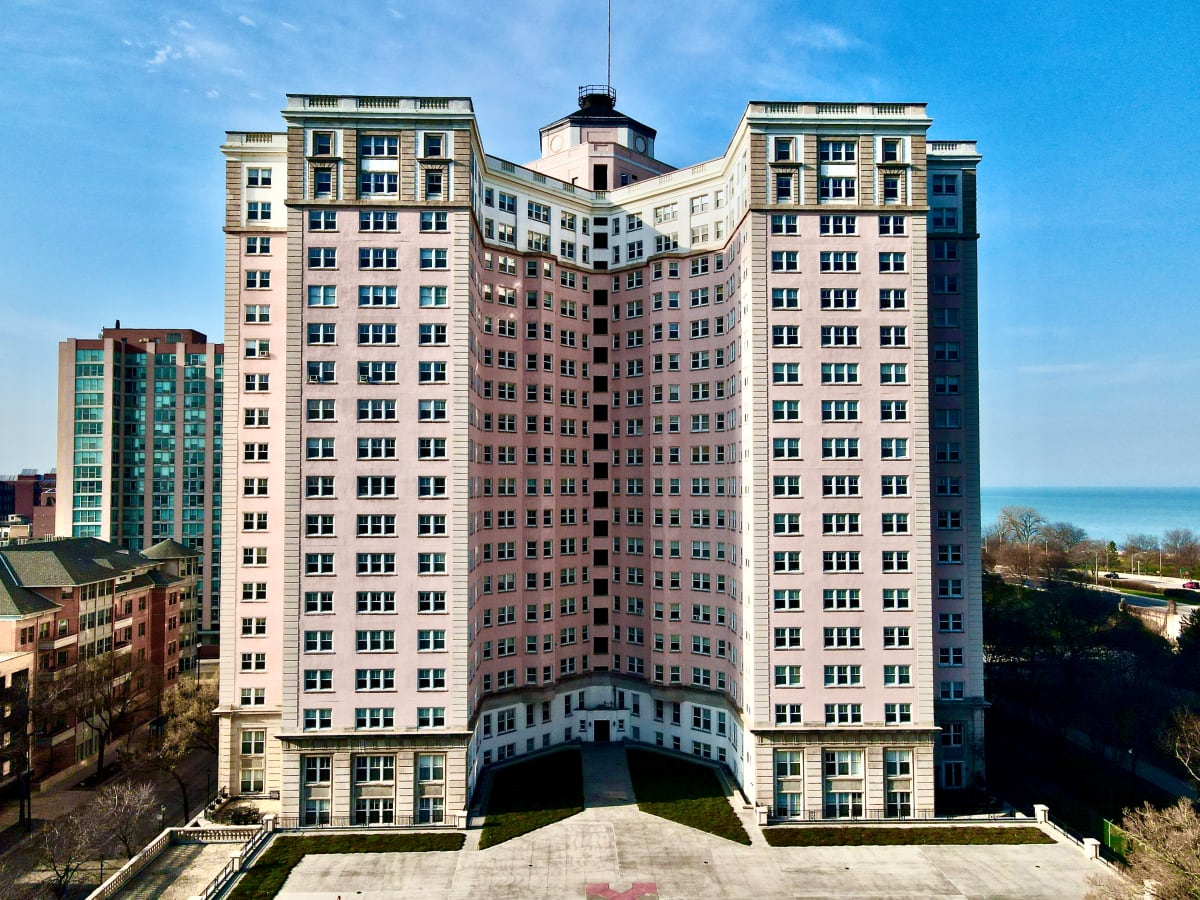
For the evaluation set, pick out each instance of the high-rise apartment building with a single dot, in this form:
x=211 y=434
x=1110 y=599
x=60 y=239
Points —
x=597 y=448
x=139 y=446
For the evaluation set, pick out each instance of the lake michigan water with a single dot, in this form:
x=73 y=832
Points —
x=1108 y=513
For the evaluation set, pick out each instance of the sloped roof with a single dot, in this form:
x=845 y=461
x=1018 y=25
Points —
x=169 y=549
x=16 y=600
x=70 y=562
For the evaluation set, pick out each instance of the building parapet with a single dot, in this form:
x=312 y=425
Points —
x=389 y=105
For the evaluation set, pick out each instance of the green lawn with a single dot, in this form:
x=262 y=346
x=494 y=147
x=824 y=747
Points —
x=533 y=794
x=683 y=792
x=266 y=877
x=854 y=836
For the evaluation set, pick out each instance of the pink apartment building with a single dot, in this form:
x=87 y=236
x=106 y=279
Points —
x=600 y=449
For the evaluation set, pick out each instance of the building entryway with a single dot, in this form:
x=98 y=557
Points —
x=601 y=730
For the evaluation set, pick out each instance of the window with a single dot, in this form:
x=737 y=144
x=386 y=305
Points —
x=258 y=279
x=378 y=258
x=378 y=183
x=258 y=211
x=837 y=188
x=943 y=185
x=896 y=636
x=944 y=218
x=839 y=335
x=893 y=336
x=258 y=246
x=843 y=676
x=839 y=298
x=431 y=679
x=836 y=151
x=785 y=224
x=838 y=225
x=843 y=713
x=839 y=373
x=841 y=599
x=318 y=719
x=434 y=258
x=897 y=713
x=891 y=225
x=893 y=298
x=893 y=373
x=891 y=262
x=847 y=637
x=839 y=261
x=258 y=178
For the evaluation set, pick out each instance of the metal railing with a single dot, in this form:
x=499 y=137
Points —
x=869 y=814
x=297 y=823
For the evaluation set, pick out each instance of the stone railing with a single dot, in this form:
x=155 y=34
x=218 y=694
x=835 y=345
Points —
x=133 y=868
x=250 y=838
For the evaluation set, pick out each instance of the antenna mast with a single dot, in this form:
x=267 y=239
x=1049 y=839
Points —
x=609 y=73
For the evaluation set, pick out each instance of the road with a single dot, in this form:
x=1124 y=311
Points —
x=198 y=772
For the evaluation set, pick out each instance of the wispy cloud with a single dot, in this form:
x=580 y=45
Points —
x=246 y=20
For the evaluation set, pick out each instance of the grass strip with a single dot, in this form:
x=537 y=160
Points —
x=265 y=878
x=683 y=792
x=851 y=836
x=530 y=795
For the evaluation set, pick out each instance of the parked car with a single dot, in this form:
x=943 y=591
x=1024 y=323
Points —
x=1192 y=585
x=1111 y=575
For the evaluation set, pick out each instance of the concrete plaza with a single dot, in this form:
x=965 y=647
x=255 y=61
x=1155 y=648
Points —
x=612 y=850
x=619 y=846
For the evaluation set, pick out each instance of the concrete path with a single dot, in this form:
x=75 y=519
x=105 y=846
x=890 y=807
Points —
x=606 y=777
x=180 y=872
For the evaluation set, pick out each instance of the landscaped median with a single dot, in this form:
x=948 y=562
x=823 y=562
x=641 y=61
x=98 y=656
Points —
x=532 y=794
x=265 y=878
x=684 y=792
x=860 y=836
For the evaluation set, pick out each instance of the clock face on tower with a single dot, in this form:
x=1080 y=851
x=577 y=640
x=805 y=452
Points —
x=556 y=143
x=639 y=144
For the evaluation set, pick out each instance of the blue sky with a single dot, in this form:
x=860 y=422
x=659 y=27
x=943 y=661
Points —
x=1086 y=115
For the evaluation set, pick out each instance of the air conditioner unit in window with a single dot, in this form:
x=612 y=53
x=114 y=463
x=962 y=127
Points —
x=364 y=379
x=263 y=354
x=314 y=379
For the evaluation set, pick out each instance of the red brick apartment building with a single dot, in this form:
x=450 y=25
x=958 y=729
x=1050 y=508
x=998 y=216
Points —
x=63 y=602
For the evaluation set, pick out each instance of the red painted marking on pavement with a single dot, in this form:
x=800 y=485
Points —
x=639 y=890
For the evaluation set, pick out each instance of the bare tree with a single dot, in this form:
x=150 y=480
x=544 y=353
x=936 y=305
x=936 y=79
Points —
x=64 y=846
x=106 y=691
x=189 y=725
x=122 y=809
x=1063 y=536
x=1182 y=740
x=1022 y=524
x=1164 y=849
x=1183 y=546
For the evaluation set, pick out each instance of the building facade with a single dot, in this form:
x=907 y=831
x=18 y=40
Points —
x=139 y=425
x=74 y=602
x=597 y=448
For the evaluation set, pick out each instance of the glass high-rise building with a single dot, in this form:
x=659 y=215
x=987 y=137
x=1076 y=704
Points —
x=139 y=446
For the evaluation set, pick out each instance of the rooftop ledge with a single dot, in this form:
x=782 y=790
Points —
x=333 y=103
x=771 y=109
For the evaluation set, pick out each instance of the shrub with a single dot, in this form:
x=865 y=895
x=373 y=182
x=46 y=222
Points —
x=858 y=836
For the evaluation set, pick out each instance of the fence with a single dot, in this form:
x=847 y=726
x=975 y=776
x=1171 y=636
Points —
x=238 y=861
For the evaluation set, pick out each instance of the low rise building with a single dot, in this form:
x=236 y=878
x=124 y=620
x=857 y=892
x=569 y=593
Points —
x=65 y=602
